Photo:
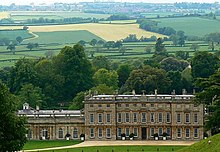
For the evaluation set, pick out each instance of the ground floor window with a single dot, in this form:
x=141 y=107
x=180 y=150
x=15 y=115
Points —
x=44 y=133
x=108 y=133
x=127 y=132
x=29 y=135
x=168 y=131
x=60 y=133
x=135 y=132
x=92 y=133
x=196 y=133
x=119 y=132
x=75 y=133
x=187 y=132
x=151 y=132
x=160 y=131
x=100 y=132
x=179 y=132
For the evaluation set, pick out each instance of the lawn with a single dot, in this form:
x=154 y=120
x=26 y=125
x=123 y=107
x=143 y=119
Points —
x=39 y=144
x=123 y=149
x=198 y=26
x=63 y=37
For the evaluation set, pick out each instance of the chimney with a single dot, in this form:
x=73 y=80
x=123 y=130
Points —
x=173 y=93
x=194 y=91
x=37 y=108
x=133 y=92
x=26 y=106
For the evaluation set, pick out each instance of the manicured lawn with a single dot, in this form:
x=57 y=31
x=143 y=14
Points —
x=123 y=149
x=39 y=144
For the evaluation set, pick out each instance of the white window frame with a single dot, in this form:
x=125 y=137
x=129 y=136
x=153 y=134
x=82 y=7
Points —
x=169 y=133
x=160 y=131
x=92 y=133
x=168 y=117
x=187 y=132
x=152 y=130
x=127 y=117
x=100 y=118
x=127 y=132
x=160 y=117
x=195 y=118
x=178 y=118
x=108 y=118
x=60 y=133
x=75 y=132
x=187 y=118
x=119 y=132
x=135 y=132
x=179 y=132
x=143 y=117
x=108 y=132
x=196 y=132
x=100 y=132
x=91 y=118
x=119 y=117
x=135 y=117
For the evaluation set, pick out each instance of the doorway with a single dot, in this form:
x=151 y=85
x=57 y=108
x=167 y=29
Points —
x=144 y=133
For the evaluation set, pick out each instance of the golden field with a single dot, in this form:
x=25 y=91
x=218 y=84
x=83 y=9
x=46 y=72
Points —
x=108 y=32
x=4 y=15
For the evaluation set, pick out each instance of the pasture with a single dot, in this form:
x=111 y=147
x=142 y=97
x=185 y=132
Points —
x=191 y=25
x=12 y=34
x=108 y=32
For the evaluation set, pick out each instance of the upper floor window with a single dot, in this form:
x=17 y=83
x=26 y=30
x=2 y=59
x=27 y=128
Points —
x=119 y=105
x=119 y=117
x=160 y=115
x=143 y=117
x=135 y=105
x=108 y=105
x=100 y=118
x=152 y=105
x=178 y=118
x=151 y=117
x=100 y=106
x=127 y=105
x=143 y=105
x=91 y=118
x=168 y=117
x=187 y=117
x=195 y=117
x=91 y=105
x=127 y=117
x=108 y=118
x=135 y=117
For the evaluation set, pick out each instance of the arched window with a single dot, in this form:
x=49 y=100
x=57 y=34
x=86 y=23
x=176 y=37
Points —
x=75 y=133
x=60 y=133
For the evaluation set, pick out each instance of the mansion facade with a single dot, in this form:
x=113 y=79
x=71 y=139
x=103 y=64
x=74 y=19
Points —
x=109 y=117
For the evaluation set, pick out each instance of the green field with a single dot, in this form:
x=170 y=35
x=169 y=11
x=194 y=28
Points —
x=39 y=144
x=191 y=25
x=12 y=34
x=123 y=149
x=24 y=15
x=119 y=22
x=63 y=37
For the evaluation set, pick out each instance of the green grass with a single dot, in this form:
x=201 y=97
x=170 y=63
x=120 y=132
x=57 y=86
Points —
x=48 y=144
x=63 y=37
x=204 y=146
x=119 y=22
x=123 y=149
x=191 y=25
x=12 y=34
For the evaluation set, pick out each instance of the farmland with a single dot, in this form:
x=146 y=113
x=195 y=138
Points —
x=4 y=15
x=198 y=26
x=12 y=34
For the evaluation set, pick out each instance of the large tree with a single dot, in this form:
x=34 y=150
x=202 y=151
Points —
x=12 y=128
x=204 y=64
x=210 y=96
x=72 y=64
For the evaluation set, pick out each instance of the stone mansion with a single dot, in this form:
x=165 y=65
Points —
x=109 y=117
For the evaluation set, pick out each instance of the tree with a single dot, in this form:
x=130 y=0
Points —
x=194 y=46
x=122 y=50
x=82 y=42
x=149 y=79
x=210 y=96
x=12 y=48
x=148 y=49
x=31 y=94
x=103 y=89
x=103 y=76
x=182 y=38
x=77 y=102
x=100 y=42
x=19 y=39
x=76 y=70
x=99 y=62
x=118 y=44
x=172 y=64
x=30 y=46
x=182 y=55
x=160 y=47
x=123 y=71
x=93 y=42
x=49 y=54
x=12 y=128
x=204 y=64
